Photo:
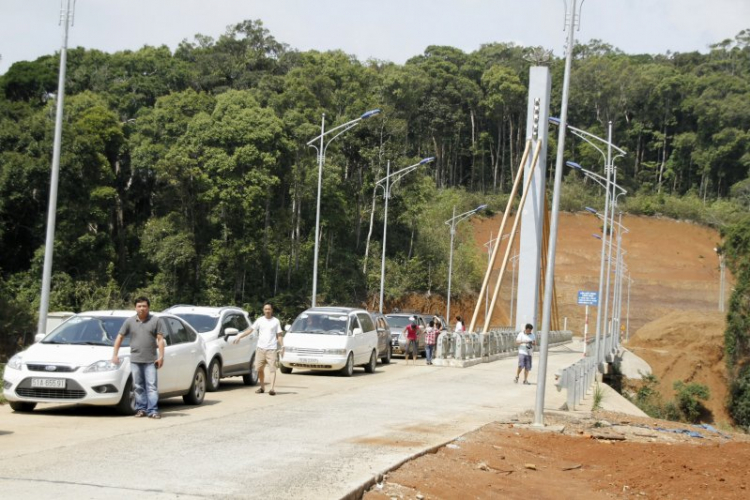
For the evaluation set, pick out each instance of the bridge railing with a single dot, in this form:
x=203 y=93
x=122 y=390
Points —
x=468 y=349
x=577 y=378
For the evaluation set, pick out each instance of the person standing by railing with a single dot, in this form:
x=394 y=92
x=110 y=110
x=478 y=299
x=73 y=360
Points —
x=430 y=337
x=525 y=342
x=460 y=328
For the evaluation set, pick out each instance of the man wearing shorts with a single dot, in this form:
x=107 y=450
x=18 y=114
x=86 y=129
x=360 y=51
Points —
x=269 y=334
x=412 y=342
x=525 y=342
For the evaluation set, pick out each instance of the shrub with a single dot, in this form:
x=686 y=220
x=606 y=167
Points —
x=688 y=400
x=739 y=400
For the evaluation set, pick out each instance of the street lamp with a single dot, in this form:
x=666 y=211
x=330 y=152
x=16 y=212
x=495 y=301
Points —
x=627 y=314
x=321 y=149
x=452 y=223
x=396 y=176
x=722 y=279
x=599 y=179
x=603 y=313
x=608 y=168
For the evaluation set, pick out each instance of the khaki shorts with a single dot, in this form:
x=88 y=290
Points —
x=265 y=357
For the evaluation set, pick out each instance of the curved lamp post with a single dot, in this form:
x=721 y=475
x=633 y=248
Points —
x=608 y=168
x=452 y=223
x=321 y=149
x=390 y=179
x=621 y=228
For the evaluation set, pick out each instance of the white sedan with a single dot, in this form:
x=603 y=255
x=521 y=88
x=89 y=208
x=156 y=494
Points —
x=73 y=365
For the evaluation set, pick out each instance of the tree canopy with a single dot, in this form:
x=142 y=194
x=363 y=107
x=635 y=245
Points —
x=185 y=174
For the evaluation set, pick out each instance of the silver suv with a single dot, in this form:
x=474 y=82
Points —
x=218 y=326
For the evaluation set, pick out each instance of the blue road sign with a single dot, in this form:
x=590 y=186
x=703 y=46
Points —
x=588 y=298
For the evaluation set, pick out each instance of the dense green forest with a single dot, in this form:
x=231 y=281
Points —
x=185 y=173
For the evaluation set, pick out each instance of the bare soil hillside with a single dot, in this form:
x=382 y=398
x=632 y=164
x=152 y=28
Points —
x=672 y=263
x=688 y=346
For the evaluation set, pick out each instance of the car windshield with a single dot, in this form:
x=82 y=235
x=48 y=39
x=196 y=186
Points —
x=399 y=321
x=321 y=323
x=88 y=330
x=200 y=322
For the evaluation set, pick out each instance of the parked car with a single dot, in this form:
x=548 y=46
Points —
x=384 y=337
x=218 y=326
x=398 y=323
x=73 y=365
x=331 y=338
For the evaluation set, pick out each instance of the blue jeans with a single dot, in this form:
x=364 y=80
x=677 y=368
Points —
x=146 y=392
x=430 y=349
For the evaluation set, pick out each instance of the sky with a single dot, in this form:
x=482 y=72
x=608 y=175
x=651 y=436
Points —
x=389 y=30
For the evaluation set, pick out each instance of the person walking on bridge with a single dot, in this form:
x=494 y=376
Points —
x=525 y=342
x=269 y=338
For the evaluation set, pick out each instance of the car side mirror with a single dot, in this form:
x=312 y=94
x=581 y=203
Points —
x=229 y=332
x=39 y=336
x=287 y=328
x=357 y=331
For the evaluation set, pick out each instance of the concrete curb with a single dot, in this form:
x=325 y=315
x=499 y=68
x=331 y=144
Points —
x=359 y=492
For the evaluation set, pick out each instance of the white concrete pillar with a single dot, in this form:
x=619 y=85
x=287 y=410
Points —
x=532 y=215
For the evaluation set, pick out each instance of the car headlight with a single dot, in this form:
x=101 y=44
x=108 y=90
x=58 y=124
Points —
x=15 y=362
x=338 y=352
x=290 y=349
x=104 y=365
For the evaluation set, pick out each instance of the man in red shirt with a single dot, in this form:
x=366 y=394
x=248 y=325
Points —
x=412 y=334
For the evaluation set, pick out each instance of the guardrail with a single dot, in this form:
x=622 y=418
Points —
x=577 y=378
x=469 y=349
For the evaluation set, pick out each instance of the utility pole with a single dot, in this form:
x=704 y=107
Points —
x=66 y=19
x=549 y=277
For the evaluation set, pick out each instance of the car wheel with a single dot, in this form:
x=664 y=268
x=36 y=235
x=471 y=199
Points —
x=22 y=406
x=252 y=377
x=386 y=360
x=348 y=369
x=214 y=375
x=285 y=369
x=126 y=406
x=370 y=367
x=197 y=389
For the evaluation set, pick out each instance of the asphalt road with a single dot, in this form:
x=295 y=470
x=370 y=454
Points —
x=320 y=437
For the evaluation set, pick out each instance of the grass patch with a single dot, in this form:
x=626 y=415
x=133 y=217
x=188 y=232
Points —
x=598 y=397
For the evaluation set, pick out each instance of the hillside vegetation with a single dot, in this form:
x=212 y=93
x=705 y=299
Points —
x=185 y=174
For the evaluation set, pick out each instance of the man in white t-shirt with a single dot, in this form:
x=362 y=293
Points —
x=269 y=334
x=525 y=342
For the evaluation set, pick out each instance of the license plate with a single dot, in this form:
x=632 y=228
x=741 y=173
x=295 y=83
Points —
x=309 y=361
x=48 y=383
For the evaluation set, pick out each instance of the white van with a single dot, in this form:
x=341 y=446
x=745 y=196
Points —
x=331 y=338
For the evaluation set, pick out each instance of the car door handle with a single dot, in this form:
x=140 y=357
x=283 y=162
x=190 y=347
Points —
x=192 y=351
